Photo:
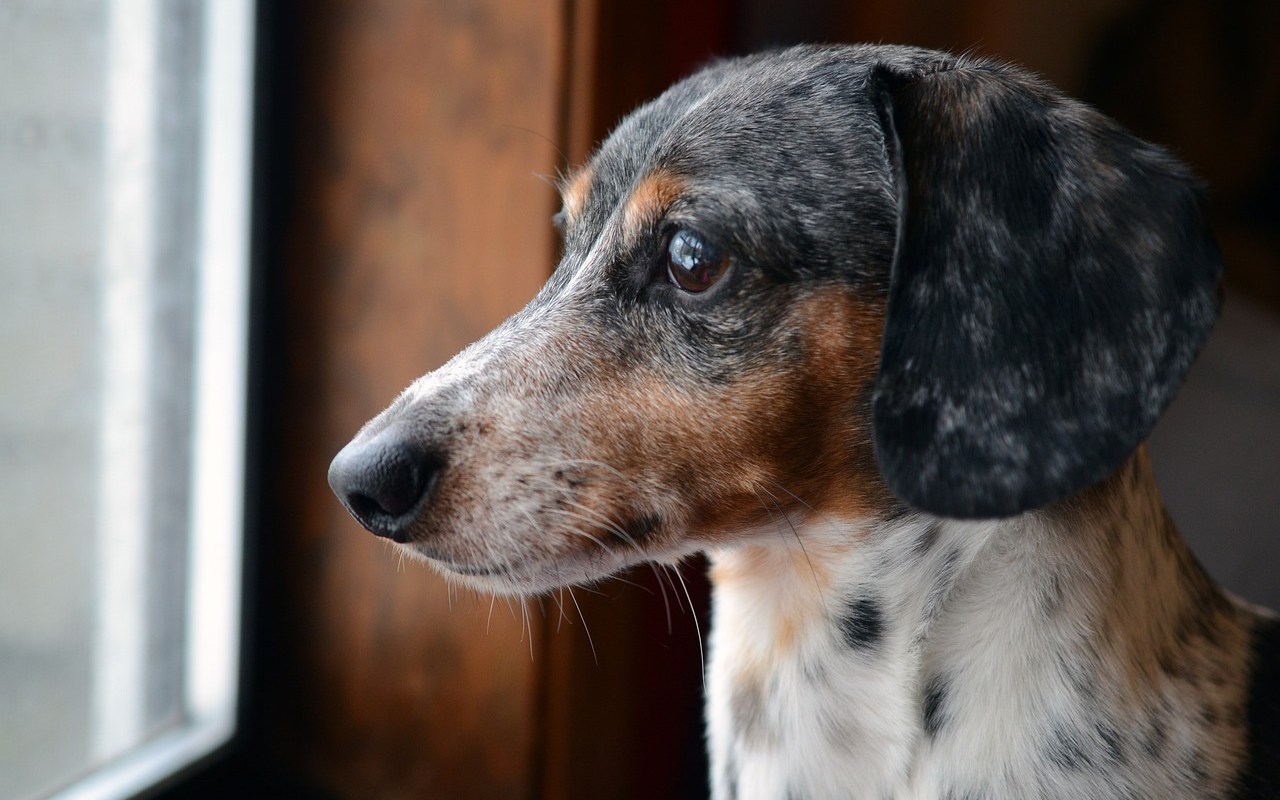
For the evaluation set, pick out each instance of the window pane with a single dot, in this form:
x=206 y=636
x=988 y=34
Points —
x=111 y=291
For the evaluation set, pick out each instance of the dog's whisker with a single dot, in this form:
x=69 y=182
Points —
x=666 y=604
x=533 y=525
x=564 y=512
x=817 y=583
x=564 y=159
x=558 y=597
x=585 y=628
x=527 y=624
x=591 y=516
x=831 y=523
x=618 y=578
x=589 y=590
x=773 y=518
x=794 y=496
x=667 y=571
x=590 y=462
x=697 y=626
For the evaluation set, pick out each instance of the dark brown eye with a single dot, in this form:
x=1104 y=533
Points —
x=693 y=263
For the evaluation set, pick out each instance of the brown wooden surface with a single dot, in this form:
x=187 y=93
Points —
x=417 y=221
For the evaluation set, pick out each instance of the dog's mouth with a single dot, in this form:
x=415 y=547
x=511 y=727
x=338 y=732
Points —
x=519 y=577
x=543 y=560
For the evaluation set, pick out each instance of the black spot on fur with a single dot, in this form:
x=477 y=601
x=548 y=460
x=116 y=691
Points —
x=928 y=538
x=862 y=625
x=641 y=527
x=1112 y=745
x=1196 y=768
x=1066 y=749
x=935 y=693
x=1081 y=674
x=1156 y=740
x=1051 y=595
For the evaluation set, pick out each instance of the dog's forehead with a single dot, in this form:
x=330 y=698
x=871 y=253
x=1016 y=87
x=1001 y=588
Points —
x=746 y=118
x=779 y=156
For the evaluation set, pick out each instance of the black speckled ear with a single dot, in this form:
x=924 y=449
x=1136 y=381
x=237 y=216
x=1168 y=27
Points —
x=1054 y=279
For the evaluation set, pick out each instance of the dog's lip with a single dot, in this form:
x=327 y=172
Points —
x=524 y=575
x=471 y=570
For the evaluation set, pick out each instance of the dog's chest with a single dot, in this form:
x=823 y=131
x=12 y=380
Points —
x=806 y=696
x=820 y=691
x=835 y=674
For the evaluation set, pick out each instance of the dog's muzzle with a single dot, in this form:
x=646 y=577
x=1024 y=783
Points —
x=385 y=481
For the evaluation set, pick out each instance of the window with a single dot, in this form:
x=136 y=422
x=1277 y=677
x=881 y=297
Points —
x=124 y=151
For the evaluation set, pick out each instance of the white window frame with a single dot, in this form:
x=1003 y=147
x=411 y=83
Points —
x=212 y=639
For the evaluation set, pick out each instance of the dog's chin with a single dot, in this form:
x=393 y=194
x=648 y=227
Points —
x=526 y=577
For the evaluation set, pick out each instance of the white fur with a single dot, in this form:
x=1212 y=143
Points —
x=848 y=723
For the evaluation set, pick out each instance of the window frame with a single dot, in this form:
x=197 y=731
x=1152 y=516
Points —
x=216 y=523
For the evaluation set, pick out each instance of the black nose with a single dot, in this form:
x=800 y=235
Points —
x=384 y=482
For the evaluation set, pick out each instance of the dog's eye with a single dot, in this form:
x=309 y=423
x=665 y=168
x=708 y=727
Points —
x=693 y=263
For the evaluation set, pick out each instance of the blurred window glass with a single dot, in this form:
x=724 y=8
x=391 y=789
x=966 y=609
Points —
x=124 y=169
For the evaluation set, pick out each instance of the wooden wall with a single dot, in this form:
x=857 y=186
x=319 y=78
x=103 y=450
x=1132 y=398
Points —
x=415 y=219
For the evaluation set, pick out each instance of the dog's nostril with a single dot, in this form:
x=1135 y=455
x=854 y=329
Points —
x=384 y=483
x=393 y=486
x=364 y=506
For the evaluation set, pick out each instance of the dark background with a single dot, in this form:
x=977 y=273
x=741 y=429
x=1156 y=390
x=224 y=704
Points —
x=400 y=215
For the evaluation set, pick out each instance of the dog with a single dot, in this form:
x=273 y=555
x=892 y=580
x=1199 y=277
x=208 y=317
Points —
x=882 y=331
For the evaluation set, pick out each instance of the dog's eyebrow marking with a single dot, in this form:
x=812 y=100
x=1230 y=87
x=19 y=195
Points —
x=649 y=201
x=574 y=190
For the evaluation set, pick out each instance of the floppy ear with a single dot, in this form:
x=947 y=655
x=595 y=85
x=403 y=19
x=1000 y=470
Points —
x=1054 y=279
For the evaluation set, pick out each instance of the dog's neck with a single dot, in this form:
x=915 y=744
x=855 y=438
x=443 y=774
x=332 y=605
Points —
x=936 y=658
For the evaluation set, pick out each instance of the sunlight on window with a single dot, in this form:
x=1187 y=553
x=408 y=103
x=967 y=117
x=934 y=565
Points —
x=124 y=134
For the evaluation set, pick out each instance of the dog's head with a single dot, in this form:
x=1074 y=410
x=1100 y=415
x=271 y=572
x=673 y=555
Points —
x=823 y=280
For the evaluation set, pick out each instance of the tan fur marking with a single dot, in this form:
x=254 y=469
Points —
x=790 y=441
x=1164 y=634
x=648 y=202
x=574 y=191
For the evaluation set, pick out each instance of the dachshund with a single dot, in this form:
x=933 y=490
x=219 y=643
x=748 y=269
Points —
x=882 y=331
